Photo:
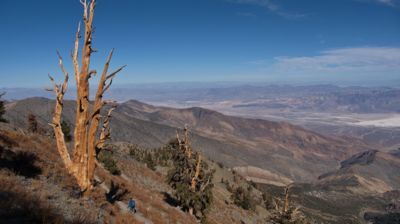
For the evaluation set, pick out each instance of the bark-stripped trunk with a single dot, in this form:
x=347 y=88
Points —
x=286 y=203
x=195 y=178
x=196 y=174
x=86 y=139
x=191 y=211
x=188 y=148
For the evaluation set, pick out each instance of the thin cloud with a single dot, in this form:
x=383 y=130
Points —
x=379 y=60
x=264 y=3
x=391 y=3
x=387 y=2
x=270 y=6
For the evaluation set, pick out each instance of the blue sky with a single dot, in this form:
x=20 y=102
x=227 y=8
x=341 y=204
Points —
x=310 y=41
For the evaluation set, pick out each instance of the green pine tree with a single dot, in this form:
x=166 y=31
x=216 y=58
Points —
x=106 y=158
x=2 y=109
x=66 y=130
x=32 y=123
x=191 y=178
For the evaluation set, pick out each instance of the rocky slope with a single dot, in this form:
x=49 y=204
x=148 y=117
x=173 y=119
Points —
x=370 y=171
x=365 y=188
x=35 y=188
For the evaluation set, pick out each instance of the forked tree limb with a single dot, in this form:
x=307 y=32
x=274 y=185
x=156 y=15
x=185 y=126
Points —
x=65 y=83
x=95 y=116
x=275 y=200
x=105 y=132
x=204 y=186
x=84 y=4
x=110 y=78
x=92 y=73
x=56 y=121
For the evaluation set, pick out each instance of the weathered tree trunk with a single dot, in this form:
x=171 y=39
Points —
x=188 y=148
x=191 y=211
x=286 y=203
x=196 y=174
x=87 y=123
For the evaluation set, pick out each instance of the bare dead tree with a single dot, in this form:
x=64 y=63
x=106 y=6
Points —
x=285 y=207
x=188 y=147
x=193 y=176
x=86 y=133
x=197 y=172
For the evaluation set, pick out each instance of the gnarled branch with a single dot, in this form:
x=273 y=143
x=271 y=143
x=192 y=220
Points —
x=105 y=132
x=65 y=84
x=204 y=186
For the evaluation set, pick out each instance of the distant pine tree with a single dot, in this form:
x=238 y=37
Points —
x=148 y=159
x=66 y=130
x=243 y=198
x=2 y=109
x=191 y=178
x=109 y=163
x=32 y=123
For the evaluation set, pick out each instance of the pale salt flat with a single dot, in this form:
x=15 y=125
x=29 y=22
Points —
x=393 y=121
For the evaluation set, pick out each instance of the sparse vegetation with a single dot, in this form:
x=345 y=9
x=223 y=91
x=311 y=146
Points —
x=152 y=157
x=268 y=201
x=242 y=197
x=228 y=186
x=19 y=206
x=53 y=186
x=285 y=212
x=21 y=163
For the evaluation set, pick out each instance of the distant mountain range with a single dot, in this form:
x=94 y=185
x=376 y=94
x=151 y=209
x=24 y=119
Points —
x=285 y=150
x=317 y=98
